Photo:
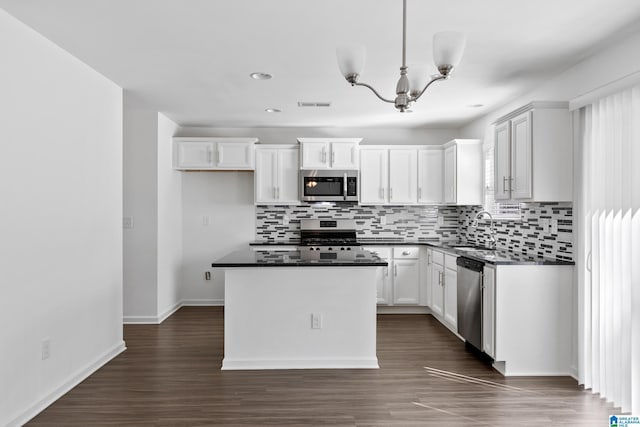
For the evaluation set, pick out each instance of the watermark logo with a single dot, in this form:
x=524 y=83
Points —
x=624 y=421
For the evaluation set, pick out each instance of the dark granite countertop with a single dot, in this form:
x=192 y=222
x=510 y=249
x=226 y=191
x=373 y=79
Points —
x=266 y=258
x=495 y=257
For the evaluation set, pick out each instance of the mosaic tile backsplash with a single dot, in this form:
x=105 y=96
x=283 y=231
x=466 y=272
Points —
x=415 y=223
x=528 y=235
x=432 y=224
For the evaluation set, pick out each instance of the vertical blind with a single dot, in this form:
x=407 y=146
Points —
x=608 y=247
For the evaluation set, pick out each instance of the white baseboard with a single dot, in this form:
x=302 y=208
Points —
x=156 y=320
x=202 y=302
x=403 y=309
x=64 y=388
x=243 y=364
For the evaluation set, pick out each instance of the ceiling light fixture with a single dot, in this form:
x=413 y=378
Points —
x=448 y=47
x=260 y=76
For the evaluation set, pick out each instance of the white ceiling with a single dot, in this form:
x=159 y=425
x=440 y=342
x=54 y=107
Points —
x=191 y=59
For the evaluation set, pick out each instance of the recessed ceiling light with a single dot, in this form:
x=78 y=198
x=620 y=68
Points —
x=475 y=105
x=272 y=110
x=260 y=76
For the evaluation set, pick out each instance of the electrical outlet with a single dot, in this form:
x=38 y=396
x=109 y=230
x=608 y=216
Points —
x=46 y=348
x=316 y=321
x=207 y=275
x=127 y=222
x=206 y=220
x=383 y=220
x=285 y=220
x=553 y=229
x=440 y=220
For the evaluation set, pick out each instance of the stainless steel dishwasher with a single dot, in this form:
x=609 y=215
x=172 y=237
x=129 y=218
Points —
x=470 y=300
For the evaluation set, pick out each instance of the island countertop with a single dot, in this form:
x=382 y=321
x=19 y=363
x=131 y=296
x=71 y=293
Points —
x=268 y=258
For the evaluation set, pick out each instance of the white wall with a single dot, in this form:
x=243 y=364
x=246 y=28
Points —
x=60 y=221
x=373 y=136
x=227 y=199
x=169 y=221
x=605 y=66
x=141 y=203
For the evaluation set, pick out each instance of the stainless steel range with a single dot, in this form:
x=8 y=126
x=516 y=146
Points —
x=328 y=239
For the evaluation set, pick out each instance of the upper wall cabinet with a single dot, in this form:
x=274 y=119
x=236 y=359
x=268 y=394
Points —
x=208 y=153
x=533 y=154
x=276 y=176
x=329 y=153
x=462 y=176
x=430 y=175
x=388 y=176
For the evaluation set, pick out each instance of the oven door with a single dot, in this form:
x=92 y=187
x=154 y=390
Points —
x=328 y=186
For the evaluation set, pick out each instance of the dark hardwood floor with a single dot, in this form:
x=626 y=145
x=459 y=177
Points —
x=170 y=376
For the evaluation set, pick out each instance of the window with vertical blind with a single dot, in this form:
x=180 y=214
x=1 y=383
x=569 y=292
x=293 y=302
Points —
x=607 y=214
x=497 y=210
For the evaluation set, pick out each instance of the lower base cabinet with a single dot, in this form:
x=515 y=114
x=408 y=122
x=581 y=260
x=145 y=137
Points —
x=444 y=287
x=400 y=283
x=488 y=311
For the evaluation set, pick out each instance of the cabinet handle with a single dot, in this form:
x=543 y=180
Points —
x=395 y=269
x=511 y=183
x=209 y=154
x=324 y=156
x=419 y=193
x=333 y=157
x=390 y=193
x=382 y=193
x=504 y=184
x=278 y=193
x=274 y=193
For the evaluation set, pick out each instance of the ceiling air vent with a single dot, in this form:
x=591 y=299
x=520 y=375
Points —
x=313 y=104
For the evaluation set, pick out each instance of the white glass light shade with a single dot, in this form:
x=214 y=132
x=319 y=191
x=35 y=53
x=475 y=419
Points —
x=448 y=47
x=350 y=59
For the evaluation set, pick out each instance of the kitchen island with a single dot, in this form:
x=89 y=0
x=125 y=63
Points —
x=298 y=310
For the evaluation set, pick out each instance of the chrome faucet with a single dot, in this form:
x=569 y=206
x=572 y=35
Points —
x=492 y=230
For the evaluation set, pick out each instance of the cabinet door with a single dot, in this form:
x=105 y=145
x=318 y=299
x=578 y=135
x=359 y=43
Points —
x=437 y=290
x=266 y=175
x=344 y=155
x=502 y=161
x=451 y=298
x=315 y=155
x=235 y=155
x=426 y=258
x=450 y=175
x=406 y=281
x=488 y=311
x=521 y=156
x=430 y=176
x=194 y=155
x=373 y=176
x=288 y=175
x=403 y=176
x=383 y=279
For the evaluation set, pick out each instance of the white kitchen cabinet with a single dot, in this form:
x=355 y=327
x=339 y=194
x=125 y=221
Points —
x=400 y=282
x=276 y=174
x=207 y=153
x=451 y=293
x=444 y=289
x=406 y=275
x=388 y=176
x=430 y=175
x=533 y=154
x=488 y=311
x=329 y=153
x=463 y=172
x=383 y=278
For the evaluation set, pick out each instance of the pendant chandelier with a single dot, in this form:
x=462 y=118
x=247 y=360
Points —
x=448 y=47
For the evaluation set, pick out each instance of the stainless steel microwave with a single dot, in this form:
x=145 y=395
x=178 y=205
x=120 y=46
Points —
x=328 y=185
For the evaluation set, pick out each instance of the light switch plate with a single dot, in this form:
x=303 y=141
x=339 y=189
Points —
x=127 y=222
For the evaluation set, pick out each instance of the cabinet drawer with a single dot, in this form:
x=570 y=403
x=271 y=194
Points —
x=412 y=252
x=381 y=251
x=438 y=258
x=450 y=261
